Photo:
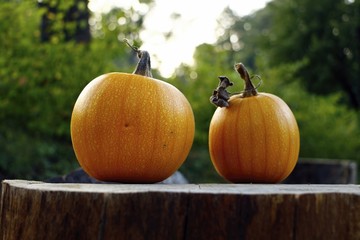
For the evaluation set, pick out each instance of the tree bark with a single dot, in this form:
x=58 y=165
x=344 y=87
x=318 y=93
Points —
x=37 y=210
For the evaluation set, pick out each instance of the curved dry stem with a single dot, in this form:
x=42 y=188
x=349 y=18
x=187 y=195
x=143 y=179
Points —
x=144 y=65
x=249 y=89
x=221 y=96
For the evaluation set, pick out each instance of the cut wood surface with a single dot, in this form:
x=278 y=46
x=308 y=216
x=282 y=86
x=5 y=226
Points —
x=37 y=210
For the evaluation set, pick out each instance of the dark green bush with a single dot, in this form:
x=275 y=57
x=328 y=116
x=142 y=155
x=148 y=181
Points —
x=40 y=82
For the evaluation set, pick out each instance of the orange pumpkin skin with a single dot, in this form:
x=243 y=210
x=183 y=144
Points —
x=255 y=139
x=131 y=128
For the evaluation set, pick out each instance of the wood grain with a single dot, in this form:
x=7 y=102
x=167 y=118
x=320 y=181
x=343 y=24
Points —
x=37 y=210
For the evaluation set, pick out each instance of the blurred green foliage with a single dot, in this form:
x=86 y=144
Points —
x=40 y=82
x=294 y=63
x=325 y=37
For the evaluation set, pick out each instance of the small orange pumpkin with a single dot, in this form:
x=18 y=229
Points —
x=131 y=127
x=253 y=137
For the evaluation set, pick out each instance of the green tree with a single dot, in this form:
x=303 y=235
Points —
x=325 y=37
x=67 y=21
x=197 y=82
x=242 y=37
x=328 y=128
x=41 y=80
x=298 y=47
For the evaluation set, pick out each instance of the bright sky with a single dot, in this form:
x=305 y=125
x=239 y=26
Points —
x=195 y=25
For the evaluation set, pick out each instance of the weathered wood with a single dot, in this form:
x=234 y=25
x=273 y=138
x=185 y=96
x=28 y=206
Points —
x=80 y=176
x=37 y=210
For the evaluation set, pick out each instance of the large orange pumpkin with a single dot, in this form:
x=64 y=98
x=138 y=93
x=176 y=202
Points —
x=253 y=137
x=131 y=127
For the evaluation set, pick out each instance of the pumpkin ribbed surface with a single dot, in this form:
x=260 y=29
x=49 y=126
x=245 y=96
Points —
x=254 y=139
x=131 y=128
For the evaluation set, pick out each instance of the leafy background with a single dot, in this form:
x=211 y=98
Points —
x=306 y=53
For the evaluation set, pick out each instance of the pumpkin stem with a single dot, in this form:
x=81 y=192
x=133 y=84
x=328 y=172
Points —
x=221 y=96
x=249 y=89
x=144 y=65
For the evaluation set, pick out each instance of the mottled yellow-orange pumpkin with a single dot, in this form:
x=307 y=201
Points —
x=131 y=127
x=253 y=137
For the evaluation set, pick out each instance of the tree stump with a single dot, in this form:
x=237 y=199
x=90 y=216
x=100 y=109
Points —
x=37 y=210
x=323 y=171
